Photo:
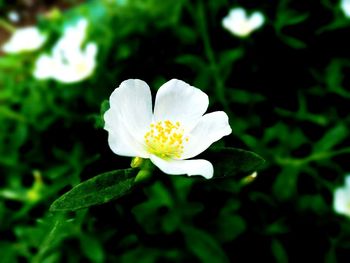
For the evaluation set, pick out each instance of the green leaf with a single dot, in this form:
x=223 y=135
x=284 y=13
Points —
x=204 y=246
x=232 y=162
x=104 y=107
x=7 y=252
x=92 y=249
x=331 y=256
x=230 y=227
x=331 y=138
x=285 y=185
x=98 y=118
x=97 y=190
x=293 y=42
x=289 y=19
x=279 y=252
x=191 y=61
x=230 y=56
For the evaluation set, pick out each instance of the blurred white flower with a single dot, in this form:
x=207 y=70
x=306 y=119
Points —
x=341 y=202
x=239 y=24
x=345 y=7
x=24 y=39
x=68 y=62
x=13 y=16
x=176 y=130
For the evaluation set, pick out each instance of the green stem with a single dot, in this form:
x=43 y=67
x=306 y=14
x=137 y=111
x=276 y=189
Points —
x=146 y=171
x=203 y=30
x=45 y=246
x=313 y=157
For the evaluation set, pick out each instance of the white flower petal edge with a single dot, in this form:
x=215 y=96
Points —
x=256 y=20
x=342 y=201
x=25 y=39
x=44 y=67
x=120 y=139
x=347 y=182
x=241 y=25
x=129 y=117
x=345 y=7
x=178 y=101
x=190 y=167
x=211 y=128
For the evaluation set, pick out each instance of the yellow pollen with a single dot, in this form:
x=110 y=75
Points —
x=81 y=67
x=165 y=139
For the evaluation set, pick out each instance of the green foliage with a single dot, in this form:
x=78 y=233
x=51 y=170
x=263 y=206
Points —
x=112 y=185
x=97 y=190
x=203 y=246
x=92 y=249
x=279 y=251
x=284 y=88
x=233 y=162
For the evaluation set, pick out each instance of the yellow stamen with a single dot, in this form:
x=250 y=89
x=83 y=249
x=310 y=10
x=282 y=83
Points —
x=165 y=139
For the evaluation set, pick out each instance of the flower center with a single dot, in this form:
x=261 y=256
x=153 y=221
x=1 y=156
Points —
x=81 y=67
x=165 y=139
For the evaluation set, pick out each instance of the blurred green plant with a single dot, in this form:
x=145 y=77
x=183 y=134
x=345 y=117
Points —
x=285 y=89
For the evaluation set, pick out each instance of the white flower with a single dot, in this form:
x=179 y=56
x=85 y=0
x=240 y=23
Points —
x=239 y=24
x=13 y=16
x=341 y=202
x=68 y=63
x=176 y=130
x=24 y=39
x=345 y=7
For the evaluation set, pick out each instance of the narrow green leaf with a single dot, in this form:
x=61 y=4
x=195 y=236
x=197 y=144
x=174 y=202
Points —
x=285 y=186
x=92 y=248
x=97 y=190
x=98 y=118
x=232 y=162
x=104 y=107
x=279 y=251
x=230 y=227
x=331 y=256
x=331 y=138
x=293 y=42
x=230 y=56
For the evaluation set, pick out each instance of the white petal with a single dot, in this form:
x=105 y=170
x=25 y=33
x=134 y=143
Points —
x=74 y=64
x=91 y=50
x=73 y=35
x=211 y=127
x=178 y=101
x=345 y=6
x=236 y=22
x=25 y=39
x=347 y=181
x=237 y=14
x=189 y=167
x=120 y=139
x=131 y=106
x=341 y=202
x=256 y=20
x=44 y=67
